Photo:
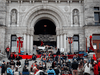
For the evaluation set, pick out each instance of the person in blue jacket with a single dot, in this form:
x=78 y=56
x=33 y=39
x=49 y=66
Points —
x=51 y=71
x=9 y=71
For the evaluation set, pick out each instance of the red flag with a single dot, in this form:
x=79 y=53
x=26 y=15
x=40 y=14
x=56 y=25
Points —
x=94 y=57
x=21 y=43
x=41 y=43
x=91 y=47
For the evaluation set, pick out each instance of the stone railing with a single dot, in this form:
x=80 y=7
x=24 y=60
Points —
x=45 y=1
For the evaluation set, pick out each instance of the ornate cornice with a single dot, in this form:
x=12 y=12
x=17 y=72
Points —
x=45 y=1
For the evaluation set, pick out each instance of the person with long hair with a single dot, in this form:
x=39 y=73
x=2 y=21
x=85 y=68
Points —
x=80 y=68
x=87 y=68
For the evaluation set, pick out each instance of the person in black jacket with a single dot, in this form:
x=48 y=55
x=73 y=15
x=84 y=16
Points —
x=56 y=71
x=12 y=63
x=3 y=69
x=18 y=57
x=74 y=67
x=69 y=64
x=53 y=64
x=18 y=64
x=25 y=69
x=11 y=57
x=27 y=62
x=58 y=52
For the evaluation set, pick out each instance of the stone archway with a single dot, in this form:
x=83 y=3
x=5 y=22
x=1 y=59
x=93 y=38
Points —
x=47 y=11
x=43 y=12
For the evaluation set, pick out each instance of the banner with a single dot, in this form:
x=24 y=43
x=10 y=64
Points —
x=44 y=37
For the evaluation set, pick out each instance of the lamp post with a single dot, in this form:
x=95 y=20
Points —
x=70 y=40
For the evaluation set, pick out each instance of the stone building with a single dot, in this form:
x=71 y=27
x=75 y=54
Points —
x=69 y=18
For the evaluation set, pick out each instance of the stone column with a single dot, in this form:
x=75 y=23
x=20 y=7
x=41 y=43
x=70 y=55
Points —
x=31 y=48
x=58 y=41
x=28 y=39
x=65 y=42
x=24 y=43
x=17 y=18
x=61 y=41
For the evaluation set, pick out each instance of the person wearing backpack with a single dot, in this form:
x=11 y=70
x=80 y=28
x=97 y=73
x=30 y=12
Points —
x=9 y=71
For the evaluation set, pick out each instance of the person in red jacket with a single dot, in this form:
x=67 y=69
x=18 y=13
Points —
x=96 y=72
x=99 y=66
x=7 y=51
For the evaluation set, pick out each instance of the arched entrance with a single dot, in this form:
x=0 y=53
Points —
x=45 y=31
x=40 y=12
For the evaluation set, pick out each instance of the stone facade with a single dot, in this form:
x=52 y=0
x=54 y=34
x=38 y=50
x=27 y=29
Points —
x=60 y=12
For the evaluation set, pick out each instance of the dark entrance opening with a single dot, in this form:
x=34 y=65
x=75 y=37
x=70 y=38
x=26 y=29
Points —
x=45 y=31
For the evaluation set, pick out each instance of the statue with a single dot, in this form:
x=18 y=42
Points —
x=75 y=16
x=14 y=17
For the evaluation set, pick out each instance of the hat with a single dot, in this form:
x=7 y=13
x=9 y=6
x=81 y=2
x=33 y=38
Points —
x=85 y=59
x=3 y=60
x=95 y=61
x=55 y=68
x=75 y=60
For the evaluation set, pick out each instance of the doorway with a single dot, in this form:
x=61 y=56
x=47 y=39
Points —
x=45 y=31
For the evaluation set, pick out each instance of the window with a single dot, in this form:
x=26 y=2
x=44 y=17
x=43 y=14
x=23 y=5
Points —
x=13 y=43
x=97 y=15
x=76 y=43
x=96 y=8
x=94 y=45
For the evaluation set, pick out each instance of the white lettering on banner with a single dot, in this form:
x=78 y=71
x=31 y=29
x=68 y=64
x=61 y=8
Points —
x=44 y=37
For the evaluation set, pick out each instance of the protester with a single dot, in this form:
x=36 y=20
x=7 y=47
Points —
x=16 y=71
x=40 y=72
x=12 y=57
x=27 y=62
x=51 y=71
x=12 y=63
x=58 y=52
x=9 y=71
x=3 y=69
x=80 y=68
x=7 y=51
x=74 y=67
x=25 y=69
x=96 y=68
x=34 y=57
x=18 y=64
x=18 y=57
x=87 y=68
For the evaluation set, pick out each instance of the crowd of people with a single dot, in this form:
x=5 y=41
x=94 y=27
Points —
x=59 y=64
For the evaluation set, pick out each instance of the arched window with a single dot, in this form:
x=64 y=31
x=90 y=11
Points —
x=13 y=17
x=76 y=17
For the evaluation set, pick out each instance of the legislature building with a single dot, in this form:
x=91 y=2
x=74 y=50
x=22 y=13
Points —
x=52 y=22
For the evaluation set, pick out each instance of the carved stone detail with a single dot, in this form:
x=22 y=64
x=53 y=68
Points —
x=14 y=17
